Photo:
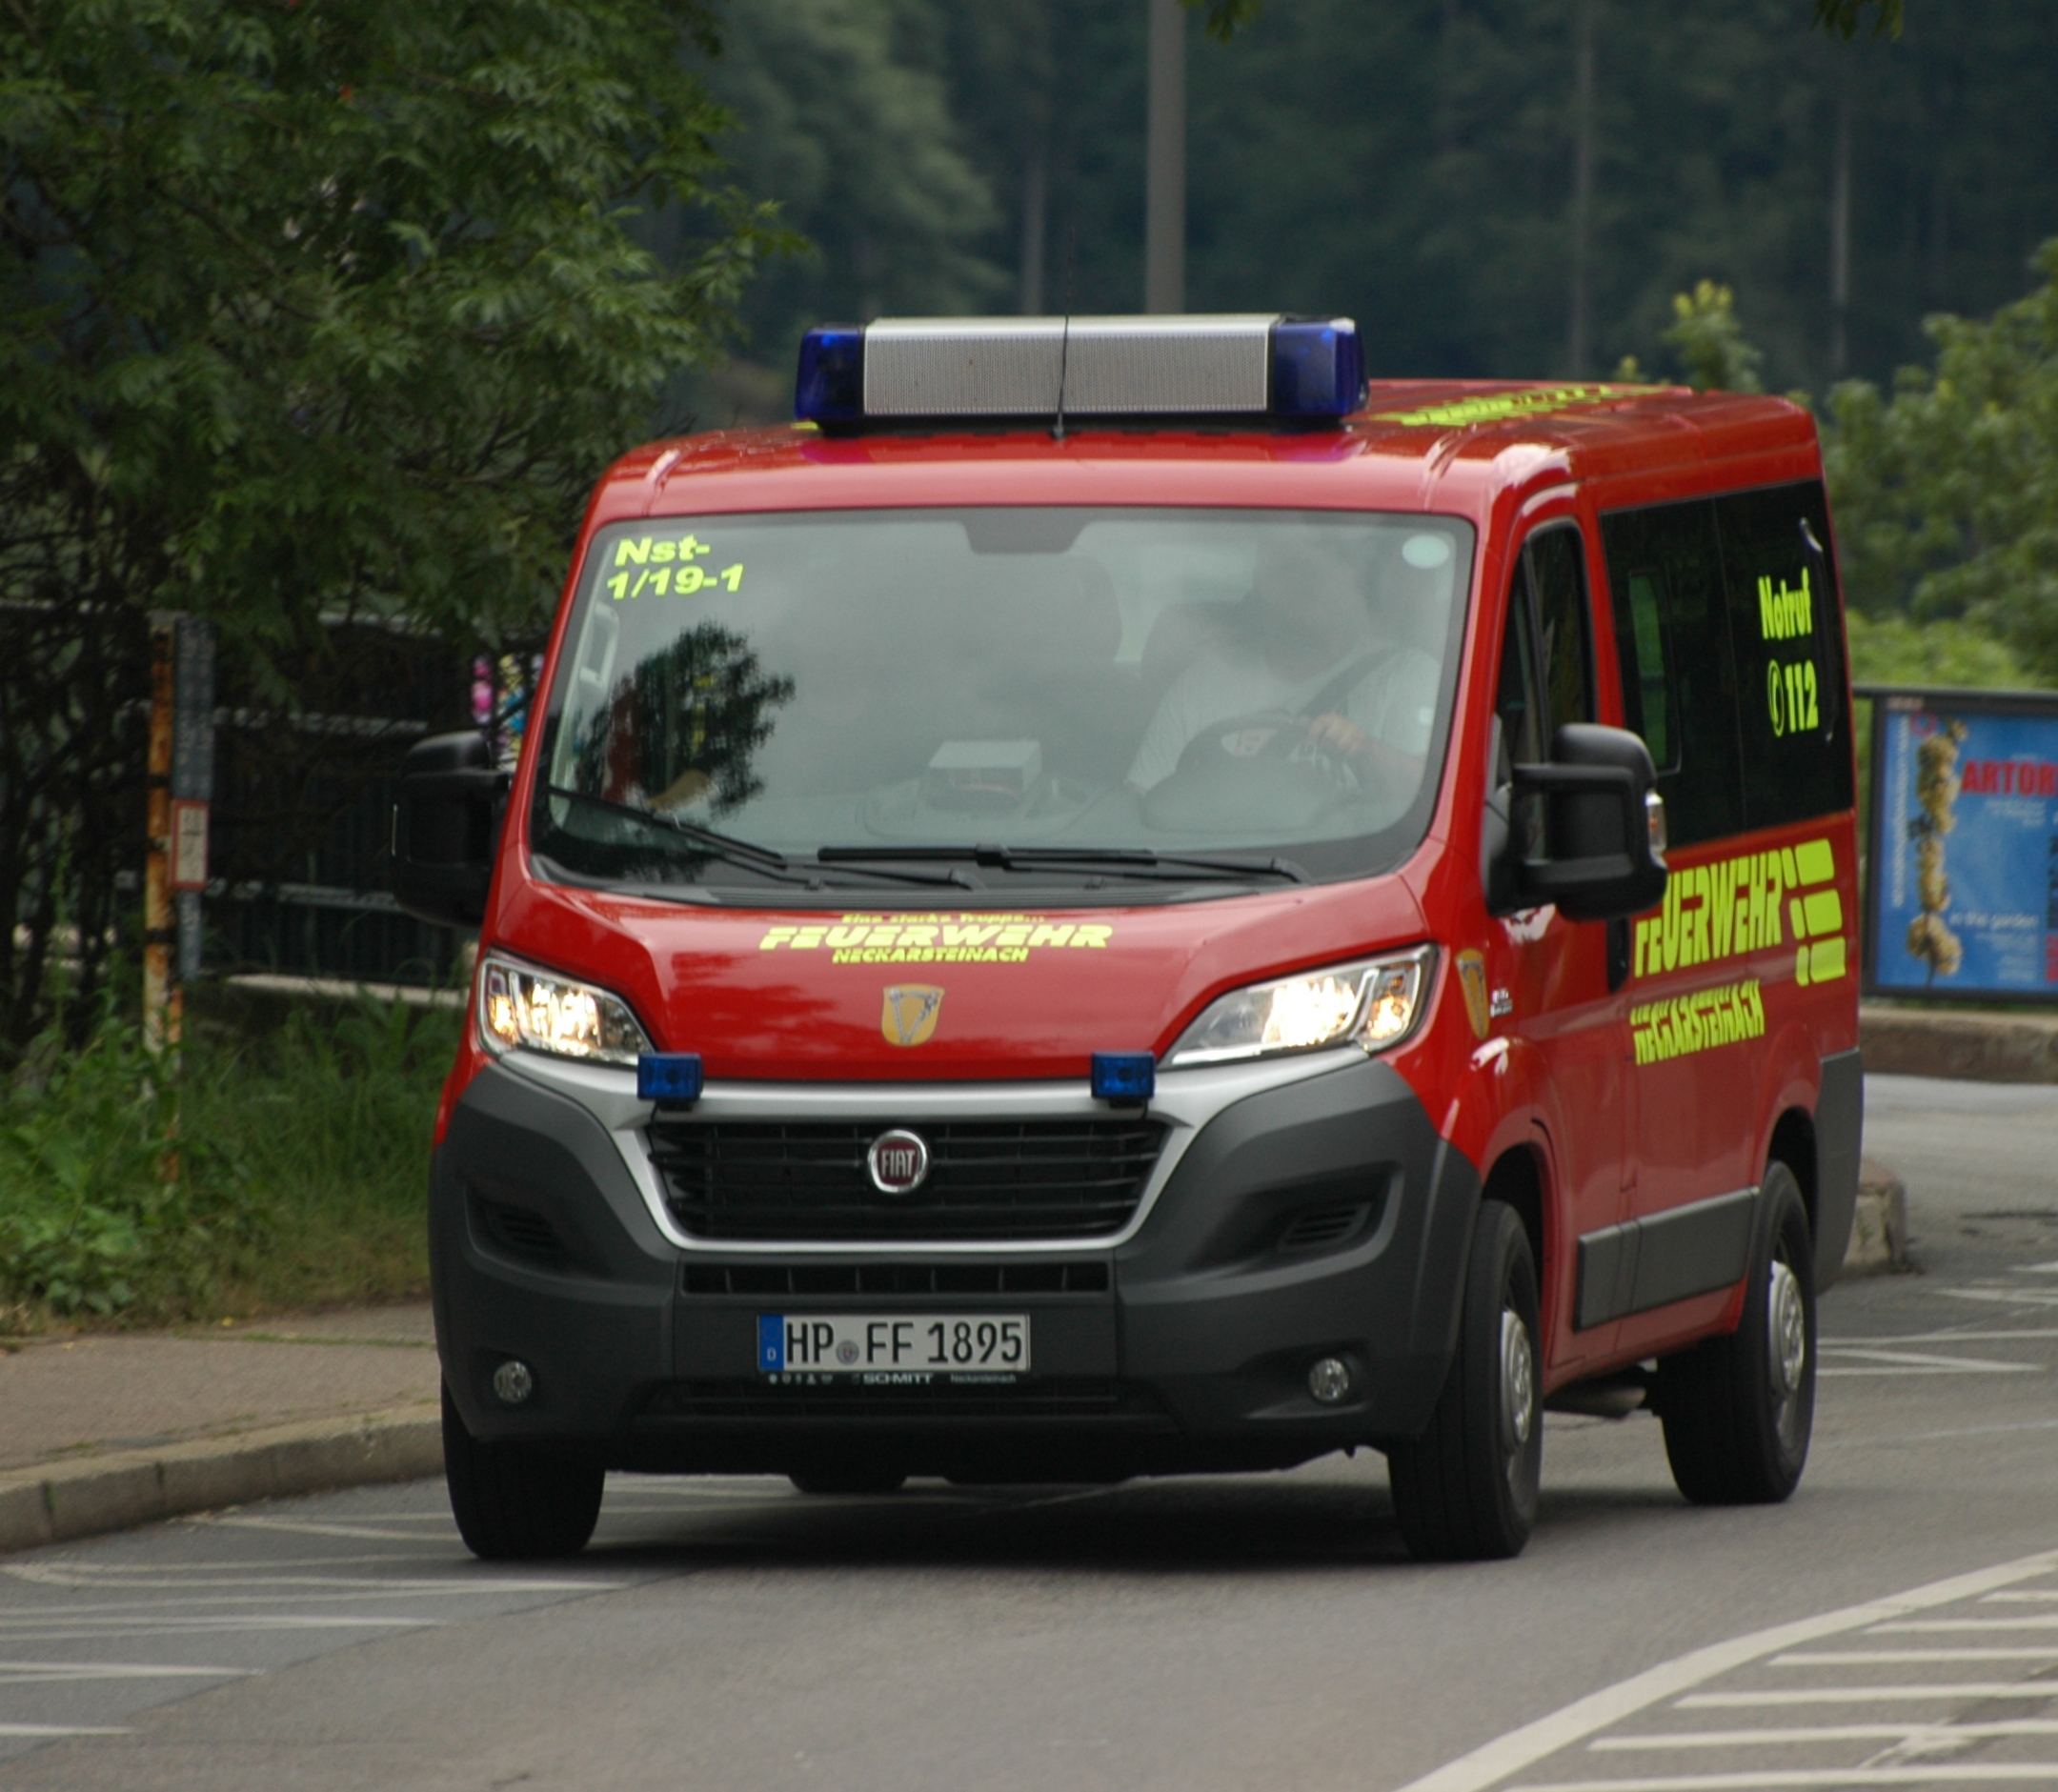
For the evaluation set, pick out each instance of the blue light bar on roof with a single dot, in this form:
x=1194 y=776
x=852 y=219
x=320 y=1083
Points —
x=938 y=368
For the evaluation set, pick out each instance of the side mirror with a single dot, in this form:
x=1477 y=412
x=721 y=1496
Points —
x=1604 y=831
x=446 y=827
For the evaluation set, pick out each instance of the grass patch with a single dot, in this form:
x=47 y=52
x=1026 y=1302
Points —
x=287 y=1170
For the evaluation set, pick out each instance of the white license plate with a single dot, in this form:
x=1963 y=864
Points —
x=858 y=1343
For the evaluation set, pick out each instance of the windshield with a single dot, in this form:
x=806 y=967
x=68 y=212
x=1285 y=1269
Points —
x=985 y=698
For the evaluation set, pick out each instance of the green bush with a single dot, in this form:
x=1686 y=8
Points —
x=286 y=1169
x=90 y=1217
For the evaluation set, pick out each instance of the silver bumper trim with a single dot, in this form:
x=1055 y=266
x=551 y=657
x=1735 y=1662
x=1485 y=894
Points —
x=1185 y=1101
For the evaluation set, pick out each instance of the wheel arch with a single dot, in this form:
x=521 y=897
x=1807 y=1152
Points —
x=1793 y=1144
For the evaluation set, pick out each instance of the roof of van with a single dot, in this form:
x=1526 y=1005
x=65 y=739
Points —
x=1415 y=445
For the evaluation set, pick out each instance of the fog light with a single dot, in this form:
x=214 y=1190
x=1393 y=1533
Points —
x=1329 y=1380
x=513 y=1383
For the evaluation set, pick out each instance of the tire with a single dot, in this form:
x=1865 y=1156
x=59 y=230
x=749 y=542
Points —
x=1738 y=1411
x=1466 y=1490
x=513 y=1501
x=848 y=1479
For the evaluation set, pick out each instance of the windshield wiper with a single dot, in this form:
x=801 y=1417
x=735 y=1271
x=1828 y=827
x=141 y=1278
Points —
x=765 y=860
x=1121 y=862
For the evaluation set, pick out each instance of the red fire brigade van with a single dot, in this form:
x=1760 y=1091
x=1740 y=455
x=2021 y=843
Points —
x=1117 y=902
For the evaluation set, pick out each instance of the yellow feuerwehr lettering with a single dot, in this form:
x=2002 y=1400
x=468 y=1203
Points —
x=1722 y=896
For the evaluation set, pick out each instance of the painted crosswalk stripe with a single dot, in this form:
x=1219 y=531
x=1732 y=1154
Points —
x=20 y=1671
x=1905 y=1734
x=1771 y=1780
x=1509 y=1753
x=51 y=1731
x=1865 y=1658
x=2043 y=1691
x=1964 y=1365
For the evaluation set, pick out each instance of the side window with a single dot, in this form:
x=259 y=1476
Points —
x=1647 y=673
x=1558 y=572
x=1678 y=678
x=1788 y=643
x=1547 y=658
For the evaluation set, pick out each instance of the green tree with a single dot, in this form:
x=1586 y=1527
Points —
x=1710 y=342
x=1842 y=17
x=848 y=121
x=1948 y=490
x=308 y=309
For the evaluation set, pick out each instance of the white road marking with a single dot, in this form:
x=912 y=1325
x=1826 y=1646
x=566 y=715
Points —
x=61 y=1571
x=2020 y=1598
x=1508 y=1754
x=1923 y=1734
x=1934 y=1624
x=2007 y=1296
x=2042 y=1690
x=335 y=1586
x=1895 y=1438
x=1918 y=1370
x=61 y=1729
x=1934 y=1773
x=306 y=1528
x=2036 y=1268
x=58 y=1624
x=1858 y=1658
x=16 y=1673
x=1969 y=1365
x=1947 y=1338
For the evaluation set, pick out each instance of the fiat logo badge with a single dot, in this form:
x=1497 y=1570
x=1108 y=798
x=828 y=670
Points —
x=897 y=1162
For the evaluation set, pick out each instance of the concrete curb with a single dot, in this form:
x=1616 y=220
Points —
x=1979 y=1048
x=53 y=1503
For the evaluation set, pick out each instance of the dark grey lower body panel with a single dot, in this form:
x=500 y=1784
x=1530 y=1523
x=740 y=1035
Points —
x=1839 y=1143
x=1647 y=1263
x=1323 y=1219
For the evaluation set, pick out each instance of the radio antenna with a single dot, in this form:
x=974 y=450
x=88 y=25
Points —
x=1064 y=340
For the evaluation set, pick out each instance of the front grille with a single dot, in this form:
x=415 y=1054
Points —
x=1057 y=1397
x=893 y=1279
x=988 y=1179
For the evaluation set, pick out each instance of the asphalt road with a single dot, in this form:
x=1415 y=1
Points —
x=1262 y=1632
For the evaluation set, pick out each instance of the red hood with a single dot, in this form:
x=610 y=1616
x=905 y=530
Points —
x=783 y=995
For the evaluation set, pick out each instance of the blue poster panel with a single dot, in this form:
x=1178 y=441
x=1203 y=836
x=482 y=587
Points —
x=1963 y=881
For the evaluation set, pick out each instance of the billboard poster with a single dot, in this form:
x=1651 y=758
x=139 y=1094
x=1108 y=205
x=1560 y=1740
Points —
x=1964 y=879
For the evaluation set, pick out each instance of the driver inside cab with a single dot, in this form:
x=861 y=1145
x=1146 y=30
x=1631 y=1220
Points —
x=1311 y=669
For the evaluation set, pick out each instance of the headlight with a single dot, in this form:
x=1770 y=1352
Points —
x=1374 y=1003
x=519 y=1007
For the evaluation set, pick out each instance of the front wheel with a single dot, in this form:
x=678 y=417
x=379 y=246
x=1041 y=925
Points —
x=1466 y=1488
x=1739 y=1411
x=514 y=1501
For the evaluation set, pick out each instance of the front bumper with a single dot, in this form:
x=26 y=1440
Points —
x=1318 y=1216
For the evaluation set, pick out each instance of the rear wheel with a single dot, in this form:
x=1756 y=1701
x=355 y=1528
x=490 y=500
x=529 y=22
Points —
x=1739 y=1411
x=1466 y=1488
x=514 y=1501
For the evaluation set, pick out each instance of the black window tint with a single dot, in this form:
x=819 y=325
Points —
x=1517 y=705
x=1646 y=672
x=1557 y=567
x=1671 y=553
x=1522 y=716
x=1789 y=644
